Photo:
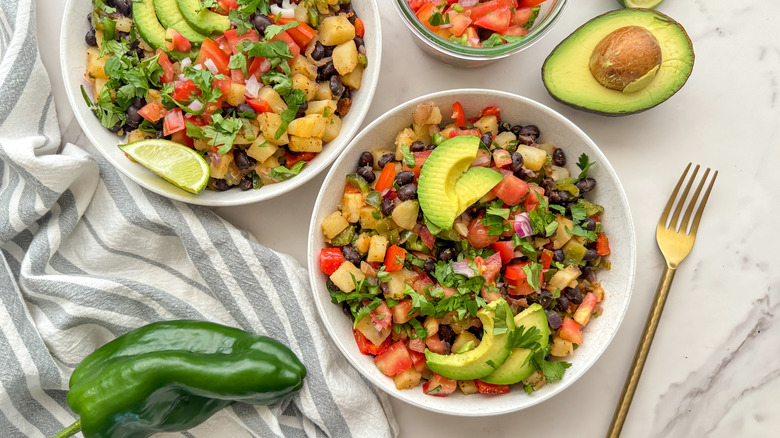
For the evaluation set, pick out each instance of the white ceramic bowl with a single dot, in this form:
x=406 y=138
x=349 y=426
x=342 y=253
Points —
x=555 y=129
x=73 y=60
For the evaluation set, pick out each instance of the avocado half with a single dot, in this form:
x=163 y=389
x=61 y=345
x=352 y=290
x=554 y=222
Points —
x=568 y=79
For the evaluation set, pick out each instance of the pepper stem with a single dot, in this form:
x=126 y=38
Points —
x=70 y=430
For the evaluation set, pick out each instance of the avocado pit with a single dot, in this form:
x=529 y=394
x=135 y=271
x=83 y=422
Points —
x=627 y=59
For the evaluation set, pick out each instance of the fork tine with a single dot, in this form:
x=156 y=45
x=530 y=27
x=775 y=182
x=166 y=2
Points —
x=697 y=217
x=692 y=204
x=665 y=215
x=681 y=203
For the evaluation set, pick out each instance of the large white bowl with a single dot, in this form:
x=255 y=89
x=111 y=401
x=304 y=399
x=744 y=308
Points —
x=73 y=60
x=555 y=129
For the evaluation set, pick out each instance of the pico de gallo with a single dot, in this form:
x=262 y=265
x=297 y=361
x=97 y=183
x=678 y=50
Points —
x=412 y=288
x=257 y=87
x=478 y=23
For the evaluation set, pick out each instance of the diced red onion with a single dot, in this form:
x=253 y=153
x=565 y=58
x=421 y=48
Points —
x=198 y=67
x=463 y=268
x=196 y=105
x=186 y=62
x=215 y=158
x=467 y=3
x=181 y=77
x=481 y=160
x=523 y=226
x=446 y=26
x=253 y=86
x=505 y=171
x=211 y=66
x=286 y=11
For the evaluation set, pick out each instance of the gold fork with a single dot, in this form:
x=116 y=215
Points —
x=675 y=242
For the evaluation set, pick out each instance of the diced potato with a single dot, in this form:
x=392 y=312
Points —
x=351 y=204
x=345 y=57
x=368 y=330
x=335 y=30
x=396 y=285
x=561 y=347
x=427 y=113
x=323 y=92
x=467 y=386
x=347 y=276
x=220 y=169
x=378 y=154
x=407 y=379
x=99 y=38
x=405 y=214
x=311 y=125
x=301 y=65
x=308 y=86
x=124 y=24
x=333 y=224
x=533 y=157
x=460 y=325
x=273 y=98
x=487 y=124
x=503 y=139
x=598 y=291
x=367 y=219
x=463 y=338
x=404 y=138
x=362 y=243
x=321 y=106
x=261 y=149
x=269 y=124
x=305 y=144
x=431 y=324
x=446 y=131
x=422 y=132
x=561 y=235
x=269 y=163
x=235 y=96
x=95 y=64
x=536 y=380
x=562 y=278
x=377 y=249
x=99 y=84
x=558 y=172
x=137 y=135
x=332 y=128
x=249 y=134
x=154 y=96
x=354 y=78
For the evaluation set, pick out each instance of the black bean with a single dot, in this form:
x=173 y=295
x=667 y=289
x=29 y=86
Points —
x=545 y=298
x=590 y=254
x=589 y=224
x=135 y=47
x=328 y=50
x=326 y=71
x=563 y=303
x=116 y=127
x=124 y=7
x=345 y=307
x=387 y=206
x=417 y=146
x=350 y=254
x=348 y=9
x=446 y=333
x=261 y=22
x=139 y=102
x=526 y=140
x=123 y=36
x=332 y=286
x=133 y=118
x=366 y=159
x=385 y=159
x=242 y=160
x=558 y=255
x=429 y=265
x=559 y=157
x=530 y=131
x=517 y=162
x=246 y=183
x=430 y=147
x=336 y=87
x=476 y=331
x=420 y=215
x=367 y=172
x=554 y=197
x=89 y=18
x=221 y=185
x=302 y=110
x=528 y=299
x=245 y=108
x=591 y=245
x=585 y=271
x=359 y=42
x=159 y=134
x=404 y=178
x=574 y=294
x=407 y=192
x=90 y=38
x=318 y=52
x=487 y=139
x=553 y=319
x=447 y=255
x=503 y=127
x=586 y=184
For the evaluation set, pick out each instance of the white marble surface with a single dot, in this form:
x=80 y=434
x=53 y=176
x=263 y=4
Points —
x=714 y=369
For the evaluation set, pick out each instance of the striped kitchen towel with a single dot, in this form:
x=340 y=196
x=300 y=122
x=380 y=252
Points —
x=87 y=256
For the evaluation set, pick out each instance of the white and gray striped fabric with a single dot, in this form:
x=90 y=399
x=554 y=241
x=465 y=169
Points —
x=87 y=255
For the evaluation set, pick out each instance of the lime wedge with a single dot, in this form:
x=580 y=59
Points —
x=173 y=161
x=645 y=4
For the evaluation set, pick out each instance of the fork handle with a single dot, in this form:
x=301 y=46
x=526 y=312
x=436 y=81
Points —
x=621 y=411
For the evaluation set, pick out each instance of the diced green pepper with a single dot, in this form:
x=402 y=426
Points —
x=437 y=138
x=414 y=243
x=345 y=237
x=374 y=198
x=449 y=234
x=573 y=253
x=571 y=188
x=358 y=181
x=314 y=16
x=591 y=208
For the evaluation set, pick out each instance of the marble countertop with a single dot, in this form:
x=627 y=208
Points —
x=714 y=369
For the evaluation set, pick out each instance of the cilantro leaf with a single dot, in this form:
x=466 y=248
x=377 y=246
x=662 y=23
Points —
x=238 y=62
x=283 y=173
x=495 y=208
x=532 y=19
x=409 y=159
x=523 y=337
x=499 y=321
x=274 y=29
x=222 y=132
x=553 y=371
x=438 y=19
x=270 y=50
x=498 y=39
x=532 y=271
x=584 y=164
x=294 y=100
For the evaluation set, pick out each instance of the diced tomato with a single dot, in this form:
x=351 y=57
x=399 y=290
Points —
x=518 y=280
x=529 y=3
x=233 y=38
x=381 y=317
x=516 y=31
x=511 y=189
x=424 y=14
x=182 y=138
x=166 y=65
x=458 y=115
x=585 y=309
x=367 y=347
x=415 y=5
x=489 y=388
x=418 y=359
x=472 y=37
x=183 y=91
x=532 y=200
x=419 y=160
x=427 y=238
x=237 y=76
x=211 y=50
x=457 y=132
x=460 y=22
x=394 y=360
x=176 y=41
x=501 y=157
x=490 y=111
x=481 y=9
x=394 y=258
x=152 y=111
x=259 y=67
x=228 y=5
x=401 y=311
x=223 y=85
x=295 y=49
x=330 y=260
x=435 y=344
x=302 y=34
x=571 y=331
x=417 y=344
x=602 y=245
x=174 y=121
x=360 y=28
x=506 y=249
x=261 y=106
x=385 y=180
x=421 y=281
x=497 y=20
x=440 y=386
x=546 y=258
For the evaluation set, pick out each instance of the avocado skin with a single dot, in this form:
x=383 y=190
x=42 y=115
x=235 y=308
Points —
x=616 y=111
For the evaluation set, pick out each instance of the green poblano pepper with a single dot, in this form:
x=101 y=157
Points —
x=172 y=375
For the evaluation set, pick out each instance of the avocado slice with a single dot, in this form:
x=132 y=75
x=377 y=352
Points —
x=169 y=15
x=515 y=368
x=489 y=355
x=473 y=185
x=568 y=78
x=202 y=19
x=148 y=26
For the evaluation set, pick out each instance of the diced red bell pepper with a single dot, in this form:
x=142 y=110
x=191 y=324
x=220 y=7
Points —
x=491 y=111
x=381 y=317
x=259 y=67
x=302 y=34
x=174 y=121
x=427 y=238
x=457 y=132
x=546 y=258
x=261 y=106
x=489 y=388
x=497 y=20
x=211 y=50
x=367 y=347
x=458 y=115
x=602 y=245
x=183 y=91
x=505 y=248
x=394 y=359
x=153 y=111
x=166 y=65
x=233 y=38
x=571 y=331
x=360 y=28
x=511 y=189
x=586 y=309
x=517 y=279
x=385 y=180
x=394 y=258
x=440 y=386
x=330 y=260
x=292 y=159
x=419 y=160
x=176 y=41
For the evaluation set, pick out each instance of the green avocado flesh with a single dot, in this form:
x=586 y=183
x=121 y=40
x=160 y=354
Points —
x=201 y=19
x=146 y=22
x=515 y=368
x=568 y=79
x=443 y=197
x=483 y=360
x=169 y=15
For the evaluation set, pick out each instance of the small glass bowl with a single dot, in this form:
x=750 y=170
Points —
x=458 y=55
